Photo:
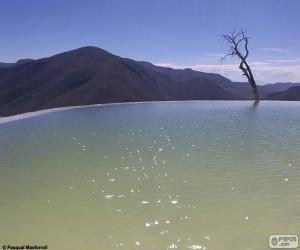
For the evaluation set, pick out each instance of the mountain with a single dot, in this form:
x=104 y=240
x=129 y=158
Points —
x=269 y=89
x=243 y=89
x=21 y=61
x=91 y=75
x=5 y=65
x=291 y=94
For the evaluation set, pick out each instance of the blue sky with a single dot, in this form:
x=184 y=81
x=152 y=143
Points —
x=173 y=33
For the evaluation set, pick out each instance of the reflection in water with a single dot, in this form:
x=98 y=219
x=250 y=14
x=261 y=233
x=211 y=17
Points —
x=186 y=175
x=255 y=103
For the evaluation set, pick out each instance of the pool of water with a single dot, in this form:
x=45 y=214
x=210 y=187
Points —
x=162 y=175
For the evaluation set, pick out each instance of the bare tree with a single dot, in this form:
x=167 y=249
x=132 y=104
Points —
x=238 y=46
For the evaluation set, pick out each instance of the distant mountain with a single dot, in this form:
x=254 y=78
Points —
x=91 y=75
x=277 y=87
x=244 y=91
x=21 y=61
x=5 y=65
x=291 y=94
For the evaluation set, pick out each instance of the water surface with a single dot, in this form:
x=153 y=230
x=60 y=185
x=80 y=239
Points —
x=163 y=175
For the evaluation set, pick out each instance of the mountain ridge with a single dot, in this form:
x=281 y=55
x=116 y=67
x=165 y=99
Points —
x=90 y=75
x=291 y=94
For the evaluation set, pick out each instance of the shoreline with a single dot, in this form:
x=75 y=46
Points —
x=6 y=119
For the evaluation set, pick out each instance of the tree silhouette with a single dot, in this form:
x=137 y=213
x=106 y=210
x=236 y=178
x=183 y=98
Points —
x=238 y=46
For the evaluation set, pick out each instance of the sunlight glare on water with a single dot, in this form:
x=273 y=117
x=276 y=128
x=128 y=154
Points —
x=173 y=175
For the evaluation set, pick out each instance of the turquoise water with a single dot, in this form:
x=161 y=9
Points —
x=163 y=175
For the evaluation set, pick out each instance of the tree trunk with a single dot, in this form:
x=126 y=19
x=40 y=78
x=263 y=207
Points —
x=254 y=90
x=251 y=80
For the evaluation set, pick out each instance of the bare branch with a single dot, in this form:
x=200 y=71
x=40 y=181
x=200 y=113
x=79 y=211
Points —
x=234 y=41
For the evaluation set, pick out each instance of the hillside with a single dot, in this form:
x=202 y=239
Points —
x=91 y=75
x=243 y=89
x=291 y=94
